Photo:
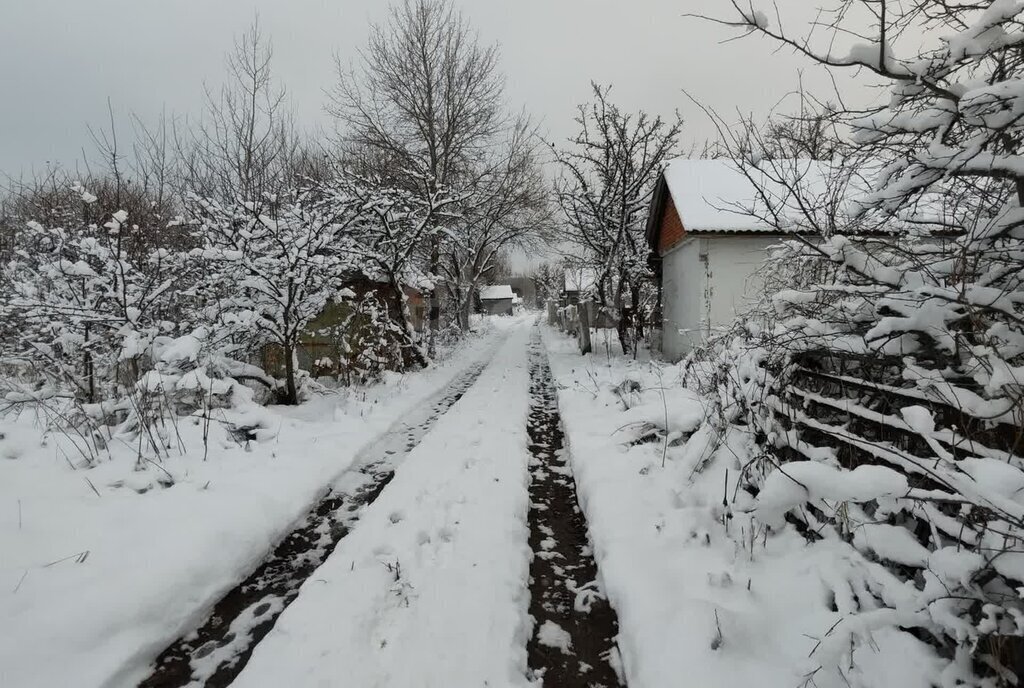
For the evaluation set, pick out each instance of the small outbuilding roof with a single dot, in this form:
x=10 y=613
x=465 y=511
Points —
x=717 y=195
x=496 y=292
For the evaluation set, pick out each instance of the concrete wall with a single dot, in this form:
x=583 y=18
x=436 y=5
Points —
x=706 y=282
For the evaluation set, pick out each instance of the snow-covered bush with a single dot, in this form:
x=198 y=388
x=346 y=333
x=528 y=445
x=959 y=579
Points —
x=362 y=344
x=399 y=224
x=107 y=343
x=84 y=313
x=887 y=407
x=272 y=266
x=885 y=385
x=375 y=343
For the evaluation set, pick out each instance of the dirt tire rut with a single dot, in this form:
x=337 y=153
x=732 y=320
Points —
x=573 y=643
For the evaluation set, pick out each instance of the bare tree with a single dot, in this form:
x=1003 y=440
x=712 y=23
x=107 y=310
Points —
x=813 y=132
x=509 y=208
x=273 y=274
x=427 y=97
x=608 y=175
x=810 y=134
x=245 y=143
x=549 y=280
x=140 y=179
x=399 y=223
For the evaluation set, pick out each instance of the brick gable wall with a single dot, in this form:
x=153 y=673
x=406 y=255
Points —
x=672 y=230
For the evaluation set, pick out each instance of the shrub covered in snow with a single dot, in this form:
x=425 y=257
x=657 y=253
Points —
x=885 y=386
x=117 y=343
x=365 y=343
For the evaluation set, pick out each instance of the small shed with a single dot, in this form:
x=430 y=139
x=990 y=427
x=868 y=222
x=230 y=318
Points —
x=497 y=299
x=706 y=248
x=324 y=343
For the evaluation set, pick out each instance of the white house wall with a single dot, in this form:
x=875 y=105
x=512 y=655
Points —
x=706 y=282
x=683 y=302
x=733 y=262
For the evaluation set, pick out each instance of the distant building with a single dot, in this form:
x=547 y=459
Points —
x=525 y=288
x=497 y=299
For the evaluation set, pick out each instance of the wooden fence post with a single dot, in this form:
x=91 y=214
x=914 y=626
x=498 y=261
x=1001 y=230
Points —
x=584 y=315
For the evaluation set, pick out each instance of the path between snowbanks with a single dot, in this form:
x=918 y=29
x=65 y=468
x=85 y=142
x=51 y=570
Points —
x=157 y=561
x=573 y=645
x=429 y=589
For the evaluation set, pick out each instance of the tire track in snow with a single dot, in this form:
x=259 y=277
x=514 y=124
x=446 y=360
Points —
x=215 y=653
x=573 y=641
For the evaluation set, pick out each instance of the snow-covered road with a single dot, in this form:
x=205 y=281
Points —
x=430 y=588
x=429 y=582
x=433 y=587
x=218 y=649
x=103 y=567
x=468 y=546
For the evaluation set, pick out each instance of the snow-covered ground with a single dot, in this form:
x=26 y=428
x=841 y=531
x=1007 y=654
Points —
x=431 y=586
x=100 y=568
x=701 y=601
x=430 y=589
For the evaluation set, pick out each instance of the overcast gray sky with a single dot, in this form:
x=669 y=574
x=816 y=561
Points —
x=62 y=59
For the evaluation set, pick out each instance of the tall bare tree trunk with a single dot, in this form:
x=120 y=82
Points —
x=623 y=320
x=464 y=312
x=466 y=306
x=415 y=354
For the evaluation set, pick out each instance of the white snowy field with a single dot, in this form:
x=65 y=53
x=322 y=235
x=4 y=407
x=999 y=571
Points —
x=698 y=603
x=103 y=567
x=430 y=589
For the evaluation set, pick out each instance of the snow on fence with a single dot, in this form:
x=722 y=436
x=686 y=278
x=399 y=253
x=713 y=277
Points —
x=931 y=490
x=889 y=414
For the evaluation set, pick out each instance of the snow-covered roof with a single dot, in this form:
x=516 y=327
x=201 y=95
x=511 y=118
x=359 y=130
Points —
x=712 y=195
x=496 y=292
